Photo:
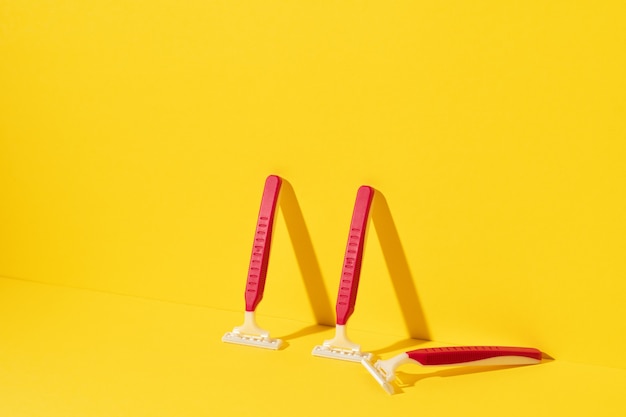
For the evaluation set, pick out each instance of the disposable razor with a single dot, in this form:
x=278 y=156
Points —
x=384 y=371
x=250 y=333
x=340 y=347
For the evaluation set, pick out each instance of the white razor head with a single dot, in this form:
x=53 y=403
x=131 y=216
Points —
x=257 y=341
x=340 y=347
x=341 y=354
x=378 y=376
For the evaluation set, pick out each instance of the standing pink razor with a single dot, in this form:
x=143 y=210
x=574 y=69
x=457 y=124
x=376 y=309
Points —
x=250 y=333
x=340 y=347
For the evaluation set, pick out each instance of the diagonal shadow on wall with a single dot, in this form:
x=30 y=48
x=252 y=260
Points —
x=307 y=260
x=399 y=271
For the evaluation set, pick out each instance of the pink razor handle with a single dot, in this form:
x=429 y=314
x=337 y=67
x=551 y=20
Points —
x=262 y=243
x=351 y=272
x=465 y=354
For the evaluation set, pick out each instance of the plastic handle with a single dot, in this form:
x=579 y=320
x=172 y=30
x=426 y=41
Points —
x=262 y=243
x=463 y=354
x=351 y=271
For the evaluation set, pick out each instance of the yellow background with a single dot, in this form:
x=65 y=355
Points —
x=135 y=138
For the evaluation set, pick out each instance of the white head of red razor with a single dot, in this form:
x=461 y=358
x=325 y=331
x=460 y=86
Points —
x=379 y=376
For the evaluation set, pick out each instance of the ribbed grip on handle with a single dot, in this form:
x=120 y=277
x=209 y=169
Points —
x=351 y=271
x=262 y=243
x=463 y=354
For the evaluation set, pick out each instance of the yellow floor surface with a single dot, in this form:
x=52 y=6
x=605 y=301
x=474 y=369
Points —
x=72 y=352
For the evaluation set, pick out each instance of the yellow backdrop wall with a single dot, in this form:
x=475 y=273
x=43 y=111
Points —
x=135 y=138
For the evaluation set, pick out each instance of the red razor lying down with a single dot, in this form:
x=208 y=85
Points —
x=384 y=371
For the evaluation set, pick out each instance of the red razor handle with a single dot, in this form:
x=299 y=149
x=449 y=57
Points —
x=464 y=354
x=262 y=243
x=351 y=271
